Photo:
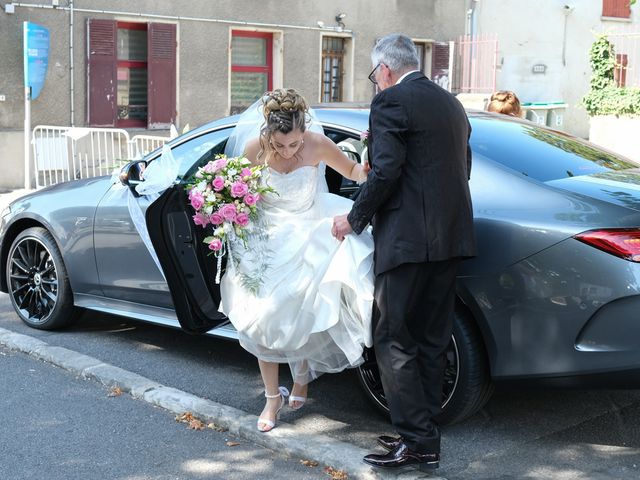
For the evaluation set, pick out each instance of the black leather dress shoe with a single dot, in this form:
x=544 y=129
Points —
x=402 y=456
x=389 y=443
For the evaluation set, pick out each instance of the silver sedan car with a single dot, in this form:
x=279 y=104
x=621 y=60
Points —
x=552 y=297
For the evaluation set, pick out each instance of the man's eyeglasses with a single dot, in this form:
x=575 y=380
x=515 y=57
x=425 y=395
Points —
x=371 y=77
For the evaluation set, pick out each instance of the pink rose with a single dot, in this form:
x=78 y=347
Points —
x=218 y=183
x=250 y=199
x=219 y=164
x=239 y=189
x=228 y=211
x=245 y=172
x=197 y=200
x=216 y=218
x=209 y=168
x=201 y=219
x=215 y=244
x=242 y=219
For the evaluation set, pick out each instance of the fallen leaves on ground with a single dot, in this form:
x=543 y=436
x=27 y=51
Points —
x=217 y=428
x=191 y=421
x=232 y=444
x=115 y=392
x=186 y=417
x=336 y=474
x=196 y=424
x=309 y=463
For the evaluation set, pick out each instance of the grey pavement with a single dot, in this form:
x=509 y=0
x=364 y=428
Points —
x=309 y=445
x=62 y=427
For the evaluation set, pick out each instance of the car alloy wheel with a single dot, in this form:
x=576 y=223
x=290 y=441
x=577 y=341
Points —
x=33 y=280
x=37 y=280
x=369 y=376
x=467 y=380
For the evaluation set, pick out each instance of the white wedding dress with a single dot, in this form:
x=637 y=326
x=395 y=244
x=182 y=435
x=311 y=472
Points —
x=312 y=305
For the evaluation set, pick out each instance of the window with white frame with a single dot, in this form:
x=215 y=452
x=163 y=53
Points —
x=333 y=69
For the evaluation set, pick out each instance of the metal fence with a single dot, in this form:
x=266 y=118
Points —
x=626 y=45
x=70 y=153
x=475 y=64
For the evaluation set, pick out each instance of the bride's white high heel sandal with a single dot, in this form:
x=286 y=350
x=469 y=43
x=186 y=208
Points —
x=266 y=425
x=295 y=398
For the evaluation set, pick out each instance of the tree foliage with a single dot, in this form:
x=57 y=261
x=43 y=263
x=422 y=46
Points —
x=604 y=96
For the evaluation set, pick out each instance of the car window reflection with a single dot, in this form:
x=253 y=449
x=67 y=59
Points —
x=540 y=153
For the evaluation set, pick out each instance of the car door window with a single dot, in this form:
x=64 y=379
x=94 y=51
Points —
x=194 y=149
x=348 y=143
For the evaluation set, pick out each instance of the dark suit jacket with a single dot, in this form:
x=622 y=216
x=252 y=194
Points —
x=417 y=193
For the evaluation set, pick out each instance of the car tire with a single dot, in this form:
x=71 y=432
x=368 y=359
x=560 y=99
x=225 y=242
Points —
x=467 y=386
x=37 y=281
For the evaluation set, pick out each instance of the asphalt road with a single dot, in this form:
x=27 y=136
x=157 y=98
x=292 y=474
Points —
x=537 y=434
x=59 y=427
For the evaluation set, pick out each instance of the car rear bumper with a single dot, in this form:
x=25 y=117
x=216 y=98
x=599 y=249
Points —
x=568 y=311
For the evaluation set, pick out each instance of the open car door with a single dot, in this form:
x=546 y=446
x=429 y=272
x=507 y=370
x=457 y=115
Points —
x=189 y=270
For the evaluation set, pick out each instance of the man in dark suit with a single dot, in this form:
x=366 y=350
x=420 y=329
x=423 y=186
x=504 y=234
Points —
x=417 y=198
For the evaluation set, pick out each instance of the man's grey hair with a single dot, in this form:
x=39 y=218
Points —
x=397 y=52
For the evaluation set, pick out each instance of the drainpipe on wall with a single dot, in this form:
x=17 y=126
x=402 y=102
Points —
x=567 y=9
x=474 y=17
x=470 y=31
x=71 y=70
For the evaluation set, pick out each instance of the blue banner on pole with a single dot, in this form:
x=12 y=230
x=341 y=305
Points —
x=36 y=57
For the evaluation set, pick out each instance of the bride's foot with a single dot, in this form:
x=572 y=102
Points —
x=298 y=396
x=269 y=415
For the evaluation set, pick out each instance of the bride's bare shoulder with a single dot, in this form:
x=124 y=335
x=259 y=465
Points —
x=314 y=137
x=318 y=141
x=252 y=149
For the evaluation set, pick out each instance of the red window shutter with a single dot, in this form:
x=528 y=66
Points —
x=620 y=71
x=616 y=8
x=440 y=61
x=101 y=73
x=162 y=75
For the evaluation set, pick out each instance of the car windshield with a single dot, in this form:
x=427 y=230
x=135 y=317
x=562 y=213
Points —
x=540 y=153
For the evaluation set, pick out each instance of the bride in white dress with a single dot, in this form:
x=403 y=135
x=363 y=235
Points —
x=311 y=306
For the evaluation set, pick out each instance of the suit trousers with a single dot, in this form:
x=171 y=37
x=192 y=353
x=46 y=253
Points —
x=412 y=325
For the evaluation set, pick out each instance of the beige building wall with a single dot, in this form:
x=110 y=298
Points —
x=554 y=33
x=203 y=47
x=203 y=53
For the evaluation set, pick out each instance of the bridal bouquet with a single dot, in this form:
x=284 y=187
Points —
x=225 y=193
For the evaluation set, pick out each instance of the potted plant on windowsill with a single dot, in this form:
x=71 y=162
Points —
x=614 y=109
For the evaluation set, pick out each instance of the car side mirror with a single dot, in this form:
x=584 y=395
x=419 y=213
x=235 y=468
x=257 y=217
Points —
x=131 y=173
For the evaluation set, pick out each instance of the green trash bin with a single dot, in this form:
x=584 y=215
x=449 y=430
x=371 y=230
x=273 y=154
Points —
x=550 y=114
x=555 y=118
x=536 y=112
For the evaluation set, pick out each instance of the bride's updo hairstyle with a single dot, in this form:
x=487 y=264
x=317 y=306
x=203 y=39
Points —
x=284 y=110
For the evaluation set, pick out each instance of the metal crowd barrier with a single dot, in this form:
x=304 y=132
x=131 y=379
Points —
x=70 y=153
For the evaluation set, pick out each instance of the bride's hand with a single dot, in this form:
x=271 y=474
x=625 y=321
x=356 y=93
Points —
x=364 y=171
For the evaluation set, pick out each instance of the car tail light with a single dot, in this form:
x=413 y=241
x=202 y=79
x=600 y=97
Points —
x=621 y=242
